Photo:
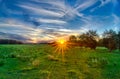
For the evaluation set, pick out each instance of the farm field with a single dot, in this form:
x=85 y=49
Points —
x=41 y=62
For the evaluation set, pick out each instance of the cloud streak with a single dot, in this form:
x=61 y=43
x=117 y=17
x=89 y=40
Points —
x=42 y=11
x=49 y=19
x=52 y=21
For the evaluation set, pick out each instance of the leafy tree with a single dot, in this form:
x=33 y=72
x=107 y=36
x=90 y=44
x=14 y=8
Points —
x=93 y=34
x=100 y=42
x=73 y=38
x=73 y=41
x=118 y=40
x=83 y=40
x=88 y=39
x=110 y=39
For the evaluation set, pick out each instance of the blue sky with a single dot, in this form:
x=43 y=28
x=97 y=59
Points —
x=43 y=20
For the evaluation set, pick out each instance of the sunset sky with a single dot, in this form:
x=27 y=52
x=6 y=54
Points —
x=43 y=20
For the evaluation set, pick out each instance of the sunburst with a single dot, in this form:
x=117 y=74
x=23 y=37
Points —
x=61 y=46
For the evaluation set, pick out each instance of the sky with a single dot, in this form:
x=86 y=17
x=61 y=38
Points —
x=45 y=20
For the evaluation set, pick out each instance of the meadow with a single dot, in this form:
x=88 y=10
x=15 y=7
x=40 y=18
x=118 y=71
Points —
x=41 y=62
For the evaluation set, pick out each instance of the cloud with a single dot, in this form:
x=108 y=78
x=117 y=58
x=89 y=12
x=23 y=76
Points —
x=101 y=23
x=13 y=36
x=54 y=3
x=14 y=23
x=50 y=16
x=18 y=27
x=104 y=2
x=54 y=33
x=86 y=4
x=116 y=22
x=42 y=11
x=57 y=9
x=52 y=21
x=29 y=19
x=68 y=13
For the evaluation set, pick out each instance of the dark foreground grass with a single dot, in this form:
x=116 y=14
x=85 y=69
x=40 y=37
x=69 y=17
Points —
x=41 y=62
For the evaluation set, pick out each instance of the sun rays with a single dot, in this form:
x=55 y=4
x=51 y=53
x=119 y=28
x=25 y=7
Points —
x=61 y=46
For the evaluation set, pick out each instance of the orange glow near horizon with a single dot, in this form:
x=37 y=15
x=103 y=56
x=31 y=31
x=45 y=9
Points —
x=61 y=41
x=34 y=40
x=61 y=46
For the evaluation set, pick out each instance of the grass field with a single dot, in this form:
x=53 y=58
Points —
x=41 y=62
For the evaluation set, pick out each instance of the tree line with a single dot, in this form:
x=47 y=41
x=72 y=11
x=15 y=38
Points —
x=10 y=41
x=109 y=39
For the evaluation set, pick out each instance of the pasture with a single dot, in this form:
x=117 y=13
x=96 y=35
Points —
x=41 y=62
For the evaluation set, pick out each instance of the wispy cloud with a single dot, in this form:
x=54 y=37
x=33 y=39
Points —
x=52 y=21
x=17 y=27
x=103 y=3
x=116 y=22
x=56 y=4
x=13 y=36
x=14 y=23
x=42 y=11
x=86 y=4
x=58 y=9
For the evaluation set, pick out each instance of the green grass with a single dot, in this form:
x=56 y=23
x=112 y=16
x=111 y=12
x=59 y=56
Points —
x=41 y=62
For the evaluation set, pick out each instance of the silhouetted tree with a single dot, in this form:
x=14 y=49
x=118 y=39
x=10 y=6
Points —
x=72 y=38
x=92 y=33
x=110 y=39
x=100 y=42
x=118 y=40
x=88 y=39
x=82 y=40
x=73 y=41
x=9 y=41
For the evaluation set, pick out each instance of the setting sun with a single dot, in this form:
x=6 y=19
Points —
x=61 y=41
x=61 y=45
